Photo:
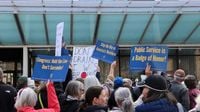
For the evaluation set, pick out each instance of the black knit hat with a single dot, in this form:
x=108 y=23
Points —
x=155 y=82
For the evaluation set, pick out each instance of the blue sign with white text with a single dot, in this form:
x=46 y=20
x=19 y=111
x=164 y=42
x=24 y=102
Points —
x=105 y=51
x=156 y=56
x=52 y=68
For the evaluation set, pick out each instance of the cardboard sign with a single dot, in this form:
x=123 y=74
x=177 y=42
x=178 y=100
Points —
x=83 y=62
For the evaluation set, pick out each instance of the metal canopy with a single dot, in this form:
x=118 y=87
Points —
x=33 y=23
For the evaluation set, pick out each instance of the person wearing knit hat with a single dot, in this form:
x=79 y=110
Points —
x=156 y=97
x=118 y=82
x=179 y=90
x=22 y=82
x=179 y=75
x=30 y=83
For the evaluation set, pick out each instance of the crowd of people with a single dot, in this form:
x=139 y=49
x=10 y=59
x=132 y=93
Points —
x=177 y=92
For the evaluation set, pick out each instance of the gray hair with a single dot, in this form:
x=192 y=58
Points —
x=91 y=81
x=26 y=97
x=74 y=88
x=124 y=99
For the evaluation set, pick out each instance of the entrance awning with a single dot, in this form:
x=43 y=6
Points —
x=127 y=23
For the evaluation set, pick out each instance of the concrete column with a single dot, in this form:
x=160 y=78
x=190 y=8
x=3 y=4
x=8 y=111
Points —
x=25 y=61
x=197 y=64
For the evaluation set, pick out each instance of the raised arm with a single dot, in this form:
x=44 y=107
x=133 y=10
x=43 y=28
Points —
x=148 y=71
x=53 y=102
x=111 y=75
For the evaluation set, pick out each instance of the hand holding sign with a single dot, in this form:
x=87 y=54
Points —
x=114 y=64
x=111 y=75
x=148 y=71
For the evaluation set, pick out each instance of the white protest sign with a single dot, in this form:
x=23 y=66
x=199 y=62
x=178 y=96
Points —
x=59 y=35
x=83 y=62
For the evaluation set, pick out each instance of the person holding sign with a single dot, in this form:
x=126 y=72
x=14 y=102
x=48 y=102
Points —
x=27 y=98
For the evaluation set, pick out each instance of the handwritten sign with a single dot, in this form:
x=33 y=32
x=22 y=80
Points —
x=51 y=67
x=59 y=35
x=105 y=51
x=156 y=56
x=83 y=62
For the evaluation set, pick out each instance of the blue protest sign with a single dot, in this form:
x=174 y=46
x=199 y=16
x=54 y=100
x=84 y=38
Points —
x=52 y=68
x=105 y=51
x=156 y=56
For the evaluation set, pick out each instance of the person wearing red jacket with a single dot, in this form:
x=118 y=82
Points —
x=27 y=98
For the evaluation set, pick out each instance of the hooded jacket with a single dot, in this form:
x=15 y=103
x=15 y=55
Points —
x=53 y=103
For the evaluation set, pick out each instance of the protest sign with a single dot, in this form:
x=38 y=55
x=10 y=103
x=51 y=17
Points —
x=105 y=51
x=83 y=62
x=156 y=56
x=51 y=67
x=59 y=35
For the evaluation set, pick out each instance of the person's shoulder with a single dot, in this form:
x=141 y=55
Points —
x=116 y=109
x=8 y=87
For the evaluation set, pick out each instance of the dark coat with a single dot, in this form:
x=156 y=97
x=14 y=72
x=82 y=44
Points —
x=71 y=105
x=111 y=101
x=162 y=105
x=7 y=95
x=181 y=93
x=43 y=95
x=95 y=108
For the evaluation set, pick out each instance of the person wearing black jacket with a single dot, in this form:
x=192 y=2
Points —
x=7 y=96
x=73 y=94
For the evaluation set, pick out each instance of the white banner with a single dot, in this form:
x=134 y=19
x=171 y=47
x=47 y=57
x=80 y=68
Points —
x=83 y=62
x=59 y=35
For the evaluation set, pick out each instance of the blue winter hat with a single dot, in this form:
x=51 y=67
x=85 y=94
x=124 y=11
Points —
x=118 y=82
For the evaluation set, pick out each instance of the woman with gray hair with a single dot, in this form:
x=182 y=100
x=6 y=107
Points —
x=124 y=100
x=27 y=98
x=73 y=93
